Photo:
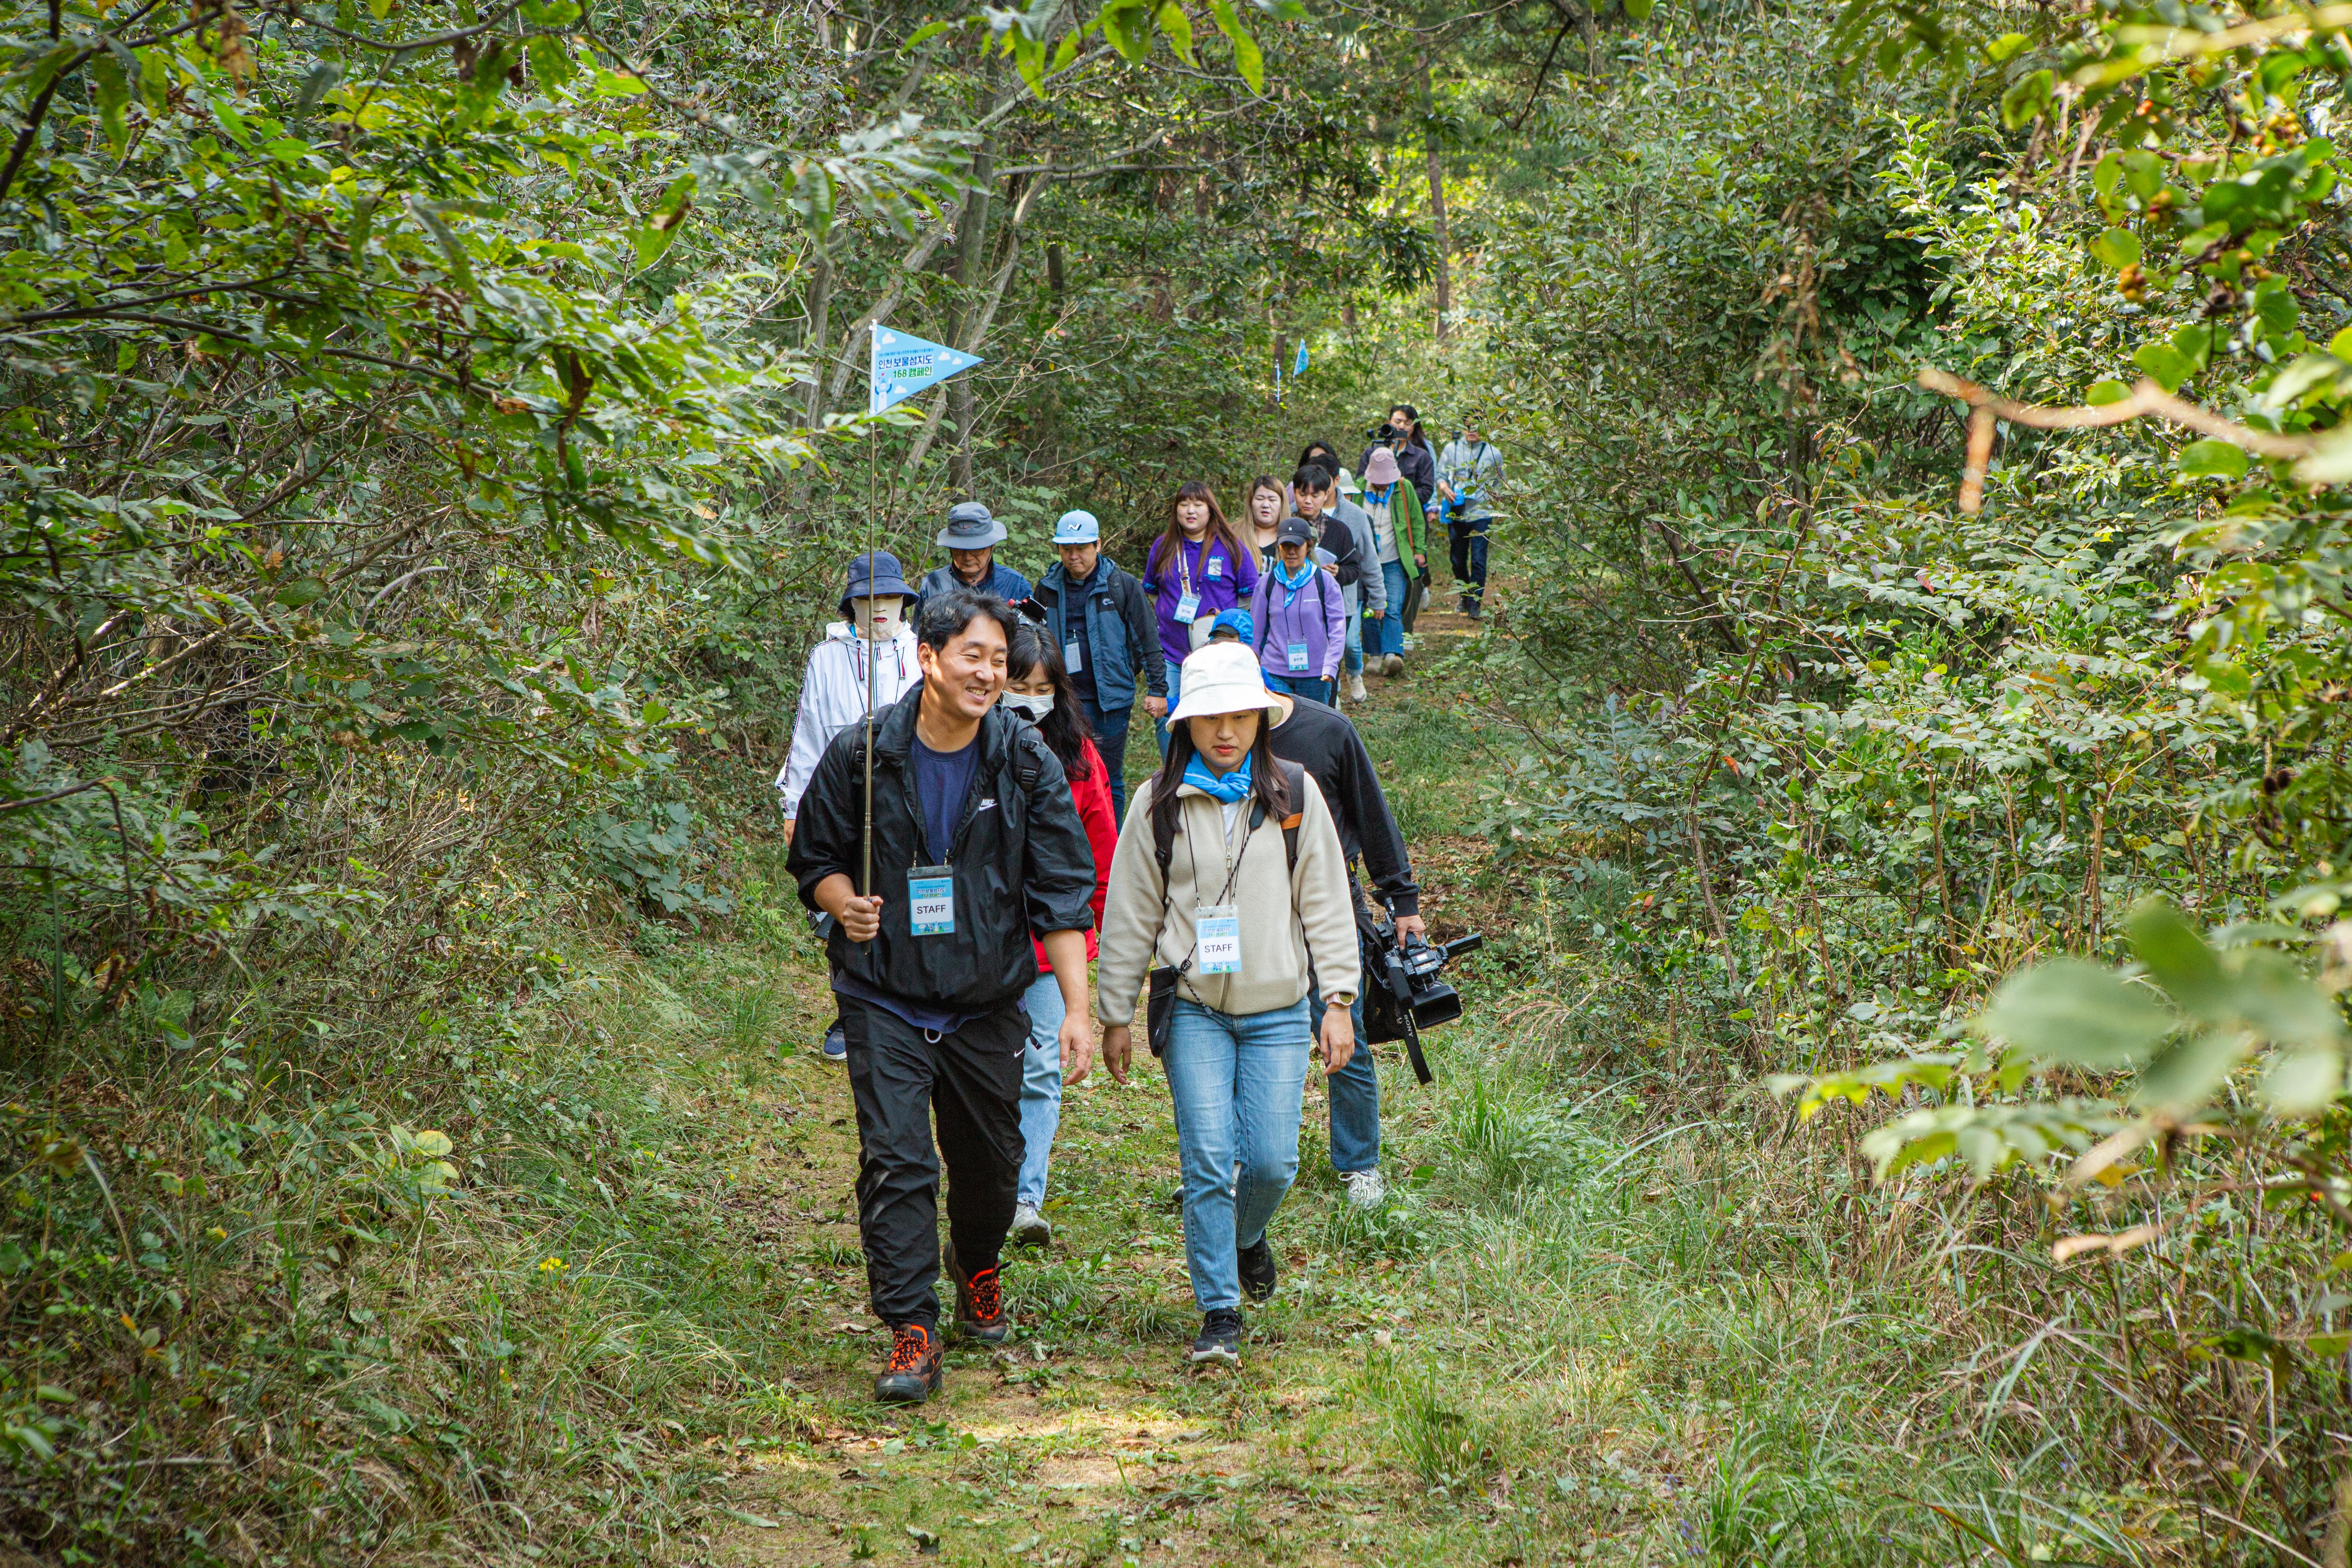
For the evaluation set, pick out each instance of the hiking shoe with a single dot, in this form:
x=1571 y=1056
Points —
x=980 y=1304
x=1366 y=1189
x=1356 y=692
x=1470 y=607
x=1220 y=1339
x=1258 y=1272
x=1030 y=1226
x=1393 y=666
x=914 y=1373
x=836 y=1045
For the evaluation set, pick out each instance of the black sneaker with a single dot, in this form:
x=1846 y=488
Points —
x=915 y=1372
x=1258 y=1272
x=835 y=1046
x=1220 y=1339
x=980 y=1304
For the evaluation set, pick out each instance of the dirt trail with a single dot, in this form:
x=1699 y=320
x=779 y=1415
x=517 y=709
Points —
x=1086 y=1440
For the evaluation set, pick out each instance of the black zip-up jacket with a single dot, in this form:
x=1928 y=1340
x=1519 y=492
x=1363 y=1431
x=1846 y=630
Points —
x=1119 y=675
x=1023 y=864
x=1325 y=744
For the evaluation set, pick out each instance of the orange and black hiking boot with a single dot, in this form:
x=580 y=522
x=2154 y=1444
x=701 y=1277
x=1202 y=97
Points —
x=914 y=1373
x=980 y=1304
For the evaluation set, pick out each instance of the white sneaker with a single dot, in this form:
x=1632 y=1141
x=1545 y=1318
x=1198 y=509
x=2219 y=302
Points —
x=1393 y=666
x=1356 y=692
x=1408 y=642
x=1030 y=1227
x=1366 y=1190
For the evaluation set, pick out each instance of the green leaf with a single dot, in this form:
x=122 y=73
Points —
x=2116 y=249
x=303 y=590
x=2166 y=366
x=2178 y=957
x=2001 y=50
x=113 y=92
x=2024 y=102
x=2212 y=461
x=2185 y=1077
x=1246 y=58
x=2107 y=391
x=1126 y=27
x=1177 y=29
x=2076 y=1013
x=2302 y=1083
x=1639 y=10
x=926 y=33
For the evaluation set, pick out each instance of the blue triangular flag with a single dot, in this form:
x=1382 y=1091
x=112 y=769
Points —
x=903 y=364
x=1300 y=368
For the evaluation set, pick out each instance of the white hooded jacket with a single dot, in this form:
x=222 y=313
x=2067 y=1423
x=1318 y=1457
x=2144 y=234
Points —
x=833 y=698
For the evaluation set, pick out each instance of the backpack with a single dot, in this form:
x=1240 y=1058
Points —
x=1264 y=626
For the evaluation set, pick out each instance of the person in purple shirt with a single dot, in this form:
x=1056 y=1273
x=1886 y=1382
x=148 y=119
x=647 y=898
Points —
x=1197 y=568
x=1300 y=618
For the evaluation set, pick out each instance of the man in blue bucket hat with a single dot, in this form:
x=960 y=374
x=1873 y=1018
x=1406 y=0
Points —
x=971 y=539
x=1102 y=621
x=874 y=627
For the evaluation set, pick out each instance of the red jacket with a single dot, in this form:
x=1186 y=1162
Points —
x=1091 y=796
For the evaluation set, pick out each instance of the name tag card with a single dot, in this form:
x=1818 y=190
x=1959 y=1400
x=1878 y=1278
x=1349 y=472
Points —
x=1297 y=659
x=1073 y=657
x=930 y=900
x=1218 y=927
x=1188 y=607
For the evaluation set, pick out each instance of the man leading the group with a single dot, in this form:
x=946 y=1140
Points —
x=976 y=849
x=1102 y=621
x=1321 y=741
x=971 y=539
x=1468 y=471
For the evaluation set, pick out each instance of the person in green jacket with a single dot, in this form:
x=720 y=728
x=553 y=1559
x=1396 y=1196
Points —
x=1397 y=525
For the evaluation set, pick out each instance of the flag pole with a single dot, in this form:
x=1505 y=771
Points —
x=873 y=653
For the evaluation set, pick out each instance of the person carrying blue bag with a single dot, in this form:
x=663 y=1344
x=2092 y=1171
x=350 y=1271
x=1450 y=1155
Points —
x=1468 y=471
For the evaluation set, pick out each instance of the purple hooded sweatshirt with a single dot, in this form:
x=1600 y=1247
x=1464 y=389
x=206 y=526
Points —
x=1223 y=579
x=1313 y=617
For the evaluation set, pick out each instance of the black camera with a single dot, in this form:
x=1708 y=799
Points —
x=1405 y=995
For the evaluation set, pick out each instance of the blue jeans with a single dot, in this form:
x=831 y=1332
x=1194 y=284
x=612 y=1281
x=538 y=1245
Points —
x=1355 y=1095
x=1353 y=663
x=1110 y=731
x=1041 y=1088
x=1388 y=632
x=1465 y=544
x=1304 y=685
x=1236 y=1085
x=1160 y=725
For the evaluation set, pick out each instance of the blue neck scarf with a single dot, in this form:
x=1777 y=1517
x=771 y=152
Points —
x=1225 y=790
x=1306 y=574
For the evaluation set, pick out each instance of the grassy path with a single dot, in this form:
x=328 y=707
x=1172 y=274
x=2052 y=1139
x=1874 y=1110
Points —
x=1587 y=1328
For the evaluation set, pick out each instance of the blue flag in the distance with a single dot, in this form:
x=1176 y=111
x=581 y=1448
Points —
x=1300 y=368
x=903 y=364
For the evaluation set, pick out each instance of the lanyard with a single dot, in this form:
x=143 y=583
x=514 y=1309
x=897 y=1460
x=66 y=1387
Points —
x=1183 y=575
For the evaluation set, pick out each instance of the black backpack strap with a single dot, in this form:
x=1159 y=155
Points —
x=1293 y=783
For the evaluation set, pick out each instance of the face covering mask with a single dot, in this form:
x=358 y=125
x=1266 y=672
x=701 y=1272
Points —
x=876 y=619
x=1036 y=707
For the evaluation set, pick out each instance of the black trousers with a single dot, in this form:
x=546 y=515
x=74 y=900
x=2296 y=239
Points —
x=1466 y=543
x=971 y=1078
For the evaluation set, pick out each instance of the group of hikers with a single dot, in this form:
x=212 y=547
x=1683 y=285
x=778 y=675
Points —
x=996 y=856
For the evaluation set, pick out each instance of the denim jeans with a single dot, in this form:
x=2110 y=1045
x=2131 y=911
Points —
x=1041 y=1088
x=1323 y=691
x=1388 y=632
x=1353 y=662
x=1466 y=546
x=1236 y=1084
x=1160 y=725
x=1354 y=1092
x=1110 y=731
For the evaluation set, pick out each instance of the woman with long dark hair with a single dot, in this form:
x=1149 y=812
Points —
x=1229 y=882
x=1036 y=683
x=1198 y=567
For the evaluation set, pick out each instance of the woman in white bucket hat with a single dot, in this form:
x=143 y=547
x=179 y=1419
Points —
x=1228 y=883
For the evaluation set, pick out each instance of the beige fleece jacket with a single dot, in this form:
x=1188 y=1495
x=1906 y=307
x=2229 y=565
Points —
x=1136 y=935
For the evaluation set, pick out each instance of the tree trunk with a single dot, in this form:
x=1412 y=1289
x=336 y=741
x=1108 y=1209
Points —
x=970 y=245
x=1437 y=209
x=1053 y=278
